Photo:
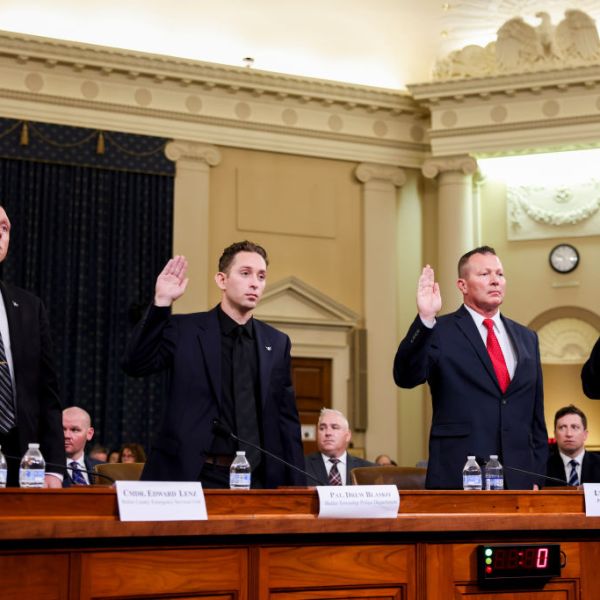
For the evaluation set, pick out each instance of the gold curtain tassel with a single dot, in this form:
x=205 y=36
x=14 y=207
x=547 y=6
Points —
x=100 y=145
x=24 y=134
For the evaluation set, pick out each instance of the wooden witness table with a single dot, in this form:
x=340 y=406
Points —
x=263 y=544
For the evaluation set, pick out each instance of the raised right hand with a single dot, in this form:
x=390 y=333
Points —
x=171 y=282
x=429 y=299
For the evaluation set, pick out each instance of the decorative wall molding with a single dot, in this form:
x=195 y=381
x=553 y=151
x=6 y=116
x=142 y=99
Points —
x=178 y=149
x=432 y=167
x=291 y=301
x=520 y=47
x=558 y=109
x=566 y=341
x=536 y=212
x=202 y=102
x=366 y=172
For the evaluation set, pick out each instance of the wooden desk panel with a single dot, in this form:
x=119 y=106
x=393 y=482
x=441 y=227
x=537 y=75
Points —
x=258 y=544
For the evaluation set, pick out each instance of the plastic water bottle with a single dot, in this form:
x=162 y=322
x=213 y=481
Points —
x=240 y=475
x=33 y=468
x=3 y=469
x=494 y=474
x=471 y=474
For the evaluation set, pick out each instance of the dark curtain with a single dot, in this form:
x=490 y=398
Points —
x=90 y=240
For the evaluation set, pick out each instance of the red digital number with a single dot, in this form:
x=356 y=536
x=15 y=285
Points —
x=542 y=558
x=513 y=559
x=500 y=559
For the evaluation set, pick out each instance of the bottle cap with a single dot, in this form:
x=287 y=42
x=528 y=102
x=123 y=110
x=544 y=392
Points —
x=240 y=453
x=33 y=446
x=470 y=458
x=493 y=457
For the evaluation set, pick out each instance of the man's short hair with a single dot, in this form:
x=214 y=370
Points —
x=326 y=411
x=570 y=410
x=464 y=259
x=230 y=252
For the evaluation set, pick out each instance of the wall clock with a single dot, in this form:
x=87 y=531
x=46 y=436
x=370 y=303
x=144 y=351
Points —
x=564 y=258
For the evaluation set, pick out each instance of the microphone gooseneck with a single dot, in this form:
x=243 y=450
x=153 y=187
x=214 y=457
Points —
x=222 y=430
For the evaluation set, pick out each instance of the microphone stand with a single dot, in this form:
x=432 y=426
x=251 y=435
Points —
x=221 y=429
x=561 y=481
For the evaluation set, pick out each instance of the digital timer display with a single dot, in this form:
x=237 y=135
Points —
x=530 y=561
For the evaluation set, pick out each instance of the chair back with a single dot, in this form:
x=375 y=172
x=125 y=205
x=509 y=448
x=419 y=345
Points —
x=404 y=478
x=119 y=472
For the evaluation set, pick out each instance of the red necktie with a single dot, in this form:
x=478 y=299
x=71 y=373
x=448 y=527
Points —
x=495 y=352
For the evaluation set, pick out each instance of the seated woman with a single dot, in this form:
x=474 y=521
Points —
x=132 y=452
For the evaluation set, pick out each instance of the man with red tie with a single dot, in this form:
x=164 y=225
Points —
x=485 y=377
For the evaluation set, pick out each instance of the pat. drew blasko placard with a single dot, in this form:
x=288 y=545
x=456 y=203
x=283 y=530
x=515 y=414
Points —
x=161 y=501
x=358 y=502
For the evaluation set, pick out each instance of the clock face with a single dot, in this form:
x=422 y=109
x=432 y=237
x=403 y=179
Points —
x=564 y=258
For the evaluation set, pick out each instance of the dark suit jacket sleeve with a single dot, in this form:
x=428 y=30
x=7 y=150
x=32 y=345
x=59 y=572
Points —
x=590 y=374
x=411 y=363
x=539 y=432
x=151 y=344
x=290 y=423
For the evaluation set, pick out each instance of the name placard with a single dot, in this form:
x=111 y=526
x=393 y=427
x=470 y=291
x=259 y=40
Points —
x=591 y=492
x=358 y=502
x=161 y=501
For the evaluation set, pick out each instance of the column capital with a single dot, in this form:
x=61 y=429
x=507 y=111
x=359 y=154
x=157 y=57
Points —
x=370 y=171
x=433 y=166
x=177 y=149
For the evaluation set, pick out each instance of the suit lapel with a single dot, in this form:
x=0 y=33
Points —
x=265 y=354
x=209 y=337
x=14 y=326
x=467 y=326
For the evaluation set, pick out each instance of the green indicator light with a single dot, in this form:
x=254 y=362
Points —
x=488 y=551
x=488 y=561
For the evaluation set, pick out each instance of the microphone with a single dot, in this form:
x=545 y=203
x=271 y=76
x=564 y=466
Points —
x=222 y=430
x=555 y=479
x=90 y=474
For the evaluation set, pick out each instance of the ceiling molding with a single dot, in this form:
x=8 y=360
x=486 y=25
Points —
x=110 y=89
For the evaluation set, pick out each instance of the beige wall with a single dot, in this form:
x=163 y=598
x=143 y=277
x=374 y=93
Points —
x=305 y=211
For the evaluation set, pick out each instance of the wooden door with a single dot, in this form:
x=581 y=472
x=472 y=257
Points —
x=312 y=382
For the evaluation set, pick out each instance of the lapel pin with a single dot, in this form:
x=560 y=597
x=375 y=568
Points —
x=15 y=303
x=268 y=348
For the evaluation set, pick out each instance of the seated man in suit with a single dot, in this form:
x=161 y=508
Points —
x=332 y=464
x=571 y=463
x=77 y=429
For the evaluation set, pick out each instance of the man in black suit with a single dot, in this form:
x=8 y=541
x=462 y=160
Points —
x=33 y=409
x=78 y=430
x=590 y=373
x=224 y=365
x=485 y=376
x=332 y=464
x=570 y=462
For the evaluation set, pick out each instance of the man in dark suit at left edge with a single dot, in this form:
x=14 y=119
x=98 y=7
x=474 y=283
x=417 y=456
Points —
x=223 y=365
x=30 y=408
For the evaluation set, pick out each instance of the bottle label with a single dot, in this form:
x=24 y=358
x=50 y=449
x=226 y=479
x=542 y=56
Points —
x=472 y=481
x=2 y=477
x=31 y=477
x=239 y=480
x=494 y=483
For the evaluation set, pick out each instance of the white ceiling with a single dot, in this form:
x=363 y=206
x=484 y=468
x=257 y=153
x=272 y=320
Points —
x=383 y=43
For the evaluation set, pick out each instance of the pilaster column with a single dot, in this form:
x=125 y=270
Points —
x=456 y=225
x=380 y=197
x=190 y=218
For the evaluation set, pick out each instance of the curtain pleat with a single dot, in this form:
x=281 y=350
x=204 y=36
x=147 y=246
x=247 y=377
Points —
x=90 y=242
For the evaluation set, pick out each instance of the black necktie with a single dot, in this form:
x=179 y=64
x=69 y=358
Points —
x=7 y=402
x=76 y=475
x=243 y=395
